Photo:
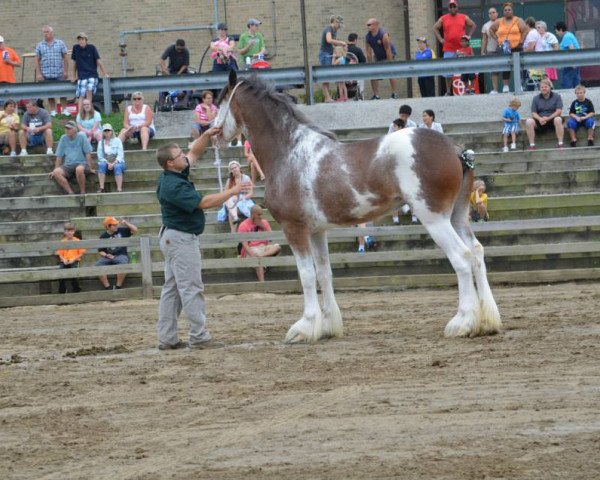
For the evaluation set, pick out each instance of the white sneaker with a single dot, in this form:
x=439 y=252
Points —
x=395 y=219
x=513 y=146
x=49 y=152
x=23 y=153
x=66 y=113
x=13 y=154
x=504 y=149
x=493 y=92
x=405 y=208
x=505 y=89
x=361 y=249
x=53 y=113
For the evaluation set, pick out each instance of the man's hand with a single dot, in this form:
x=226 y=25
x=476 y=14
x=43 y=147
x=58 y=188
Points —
x=213 y=131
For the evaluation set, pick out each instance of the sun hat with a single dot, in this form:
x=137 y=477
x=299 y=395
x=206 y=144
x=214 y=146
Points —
x=110 y=221
x=70 y=124
x=82 y=35
x=107 y=126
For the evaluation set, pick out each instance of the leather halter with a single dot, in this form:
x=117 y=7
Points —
x=229 y=102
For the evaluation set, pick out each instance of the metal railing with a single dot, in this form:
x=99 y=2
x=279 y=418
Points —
x=286 y=77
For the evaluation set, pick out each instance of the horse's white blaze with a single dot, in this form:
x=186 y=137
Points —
x=399 y=144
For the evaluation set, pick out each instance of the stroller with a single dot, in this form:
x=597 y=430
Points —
x=175 y=99
x=355 y=87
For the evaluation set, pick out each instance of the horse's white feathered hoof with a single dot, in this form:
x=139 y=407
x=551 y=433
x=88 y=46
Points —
x=333 y=327
x=301 y=332
x=462 y=326
x=490 y=318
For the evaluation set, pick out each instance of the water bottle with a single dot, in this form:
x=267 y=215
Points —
x=133 y=257
x=248 y=63
x=5 y=55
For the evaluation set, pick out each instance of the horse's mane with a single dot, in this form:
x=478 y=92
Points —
x=277 y=101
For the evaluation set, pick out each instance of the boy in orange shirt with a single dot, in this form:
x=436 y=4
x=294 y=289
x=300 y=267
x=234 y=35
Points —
x=69 y=258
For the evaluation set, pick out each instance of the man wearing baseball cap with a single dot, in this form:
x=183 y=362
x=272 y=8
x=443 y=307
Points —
x=114 y=255
x=73 y=159
x=8 y=61
x=86 y=61
x=252 y=42
x=453 y=25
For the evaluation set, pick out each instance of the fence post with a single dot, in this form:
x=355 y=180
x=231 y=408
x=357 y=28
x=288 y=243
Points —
x=516 y=67
x=146 y=264
x=107 y=95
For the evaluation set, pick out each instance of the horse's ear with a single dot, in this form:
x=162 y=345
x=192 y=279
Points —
x=232 y=78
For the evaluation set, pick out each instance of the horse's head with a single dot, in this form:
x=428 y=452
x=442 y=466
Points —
x=229 y=118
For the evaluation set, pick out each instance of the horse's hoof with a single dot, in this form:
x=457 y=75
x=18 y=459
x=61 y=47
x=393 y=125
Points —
x=295 y=337
x=461 y=326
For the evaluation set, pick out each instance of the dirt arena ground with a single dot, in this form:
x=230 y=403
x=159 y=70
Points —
x=85 y=395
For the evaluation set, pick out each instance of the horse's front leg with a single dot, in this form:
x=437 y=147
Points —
x=332 y=318
x=309 y=327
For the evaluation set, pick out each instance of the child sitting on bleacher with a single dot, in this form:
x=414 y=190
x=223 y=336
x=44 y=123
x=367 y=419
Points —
x=478 y=203
x=69 y=258
x=511 y=124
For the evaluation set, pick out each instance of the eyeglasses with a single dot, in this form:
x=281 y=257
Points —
x=369 y=24
x=180 y=154
x=137 y=98
x=452 y=6
x=107 y=130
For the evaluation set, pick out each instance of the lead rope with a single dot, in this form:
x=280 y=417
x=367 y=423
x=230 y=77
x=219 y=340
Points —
x=217 y=161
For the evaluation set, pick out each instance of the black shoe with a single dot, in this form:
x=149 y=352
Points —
x=176 y=346
x=573 y=144
x=110 y=287
x=117 y=287
x=590 y=143
x=393 y=96
x=375 y=97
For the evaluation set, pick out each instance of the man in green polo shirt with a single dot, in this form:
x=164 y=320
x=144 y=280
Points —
x=251 y=42
x=182 y=210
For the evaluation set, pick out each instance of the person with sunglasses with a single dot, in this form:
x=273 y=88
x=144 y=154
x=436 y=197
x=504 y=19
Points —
x=453 y=26
x=223 y=51
x=138 y=121
x=111 y=158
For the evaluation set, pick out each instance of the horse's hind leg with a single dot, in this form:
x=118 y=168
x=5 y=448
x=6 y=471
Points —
x=332 y=318
x=490 y=316
x=466 y=321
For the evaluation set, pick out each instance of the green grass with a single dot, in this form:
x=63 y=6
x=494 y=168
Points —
x=58 y=123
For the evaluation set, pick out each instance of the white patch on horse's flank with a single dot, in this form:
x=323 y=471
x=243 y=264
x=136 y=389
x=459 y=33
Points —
x=364 y=203
x=399 y=144
x=309 y=151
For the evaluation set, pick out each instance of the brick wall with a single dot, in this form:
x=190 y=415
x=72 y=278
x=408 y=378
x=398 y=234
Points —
x=104 y=20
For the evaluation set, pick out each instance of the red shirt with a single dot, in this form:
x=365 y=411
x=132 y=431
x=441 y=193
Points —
x=453 y=27
x=248 y=226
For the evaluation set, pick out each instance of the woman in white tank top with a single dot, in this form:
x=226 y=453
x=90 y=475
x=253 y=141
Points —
x=138 y=122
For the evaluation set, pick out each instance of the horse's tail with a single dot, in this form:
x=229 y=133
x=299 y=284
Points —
x=460 y=212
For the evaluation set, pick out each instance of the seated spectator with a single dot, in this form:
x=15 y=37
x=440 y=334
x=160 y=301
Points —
x=138 y=121
x=546 y=110
x=426 y=84
x=36 y=129
x=478 y=202
x=114 y=255
x=511 y=118
x=257 y=248
x=399 y=124
x=429 y=121
x=9 y=126
x=204 y=114
x=73 y=159
x=89 y=122
x=252 y=163
x=339 y=58
x=404 y=113
x=111 y=158
x=581 y=113
x=69 y=258
x=223 y=48
x=179 y=59
x=365 y=241
x=241 y=203
x=465 y=50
